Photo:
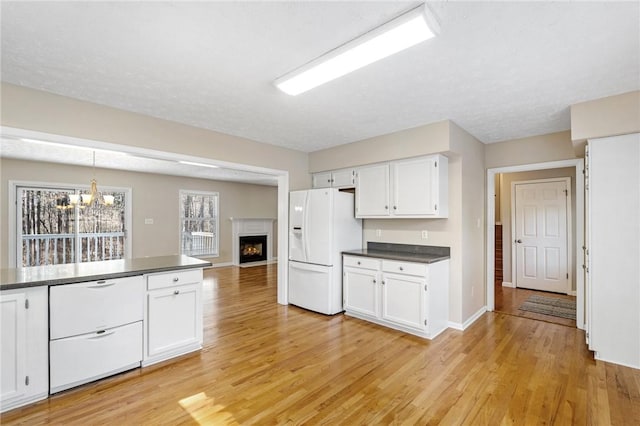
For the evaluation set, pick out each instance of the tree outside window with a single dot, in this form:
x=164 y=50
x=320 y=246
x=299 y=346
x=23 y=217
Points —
x=198 y=223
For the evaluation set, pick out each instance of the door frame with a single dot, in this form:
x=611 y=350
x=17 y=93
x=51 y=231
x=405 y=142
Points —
x=578 y=163
x=568 y=217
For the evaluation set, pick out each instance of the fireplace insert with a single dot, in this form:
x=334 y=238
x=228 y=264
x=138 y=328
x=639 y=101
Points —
x=253 y=248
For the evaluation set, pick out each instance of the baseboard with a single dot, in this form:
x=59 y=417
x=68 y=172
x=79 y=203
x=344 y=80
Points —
x=473 y=318
x=508 y=284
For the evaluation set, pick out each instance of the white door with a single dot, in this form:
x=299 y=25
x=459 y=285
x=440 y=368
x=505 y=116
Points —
x=414 y=186
x=14 y=346
x=541 y=236
x=403 y=300
x=372 y=191
x=310 y=220
x=361 y=291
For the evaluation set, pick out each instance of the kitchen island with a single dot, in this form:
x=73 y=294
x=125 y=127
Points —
x=65 y=325
x=401 y=286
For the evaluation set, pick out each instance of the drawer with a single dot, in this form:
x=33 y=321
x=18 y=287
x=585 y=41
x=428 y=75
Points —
x=407 y=268
x=97 y=305
x=81 y=359
x=174 y=278
x=361 y=262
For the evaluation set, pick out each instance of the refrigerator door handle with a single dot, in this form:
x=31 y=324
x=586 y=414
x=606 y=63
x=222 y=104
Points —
x=305 y=238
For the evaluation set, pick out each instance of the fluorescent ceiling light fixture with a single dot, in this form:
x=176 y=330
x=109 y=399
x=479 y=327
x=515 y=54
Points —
x=191 y=163
x=401 y=33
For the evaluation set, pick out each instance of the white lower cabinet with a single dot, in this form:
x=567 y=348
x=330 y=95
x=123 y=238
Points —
x=88 y=357
x=173 y=312
x=407 y=296
x=23 y=344
x=96 y=330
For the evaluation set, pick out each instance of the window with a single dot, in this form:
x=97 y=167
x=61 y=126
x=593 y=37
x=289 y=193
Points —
x=199 y=223
x=50 y=230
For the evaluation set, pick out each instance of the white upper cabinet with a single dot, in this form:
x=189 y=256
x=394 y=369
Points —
x=372 y=191
x=411 y=188
x=344 y=178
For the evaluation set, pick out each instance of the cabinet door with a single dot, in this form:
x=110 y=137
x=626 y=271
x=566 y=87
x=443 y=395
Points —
x=321 y=180
x=415 y=186
x=372 y=191
x=14 y=345
x=361 y=291
x=343 y=178
x=403 y=300
x=174 y=318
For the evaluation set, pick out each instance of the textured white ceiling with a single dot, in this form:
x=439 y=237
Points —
x=501 y=70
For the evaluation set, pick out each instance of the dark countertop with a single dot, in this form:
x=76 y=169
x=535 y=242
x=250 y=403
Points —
x=35 y=276
x=403 y=252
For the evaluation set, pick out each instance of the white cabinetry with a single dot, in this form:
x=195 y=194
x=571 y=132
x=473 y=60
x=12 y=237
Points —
x=613 y=283
x=408 y=296
x=23 y=339
x=96 y=330
x=411 y=188
x=344 y=178
x=173 y=315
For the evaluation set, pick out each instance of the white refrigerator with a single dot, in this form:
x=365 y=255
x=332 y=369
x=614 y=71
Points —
x=322 y=224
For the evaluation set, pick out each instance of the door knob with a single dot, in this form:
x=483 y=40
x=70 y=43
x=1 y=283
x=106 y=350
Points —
x=518 y=241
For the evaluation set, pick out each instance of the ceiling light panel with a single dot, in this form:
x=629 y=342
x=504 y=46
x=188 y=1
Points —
x=401 y=33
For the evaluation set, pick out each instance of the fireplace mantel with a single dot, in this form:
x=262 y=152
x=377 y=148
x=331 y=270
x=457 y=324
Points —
x=243 y=227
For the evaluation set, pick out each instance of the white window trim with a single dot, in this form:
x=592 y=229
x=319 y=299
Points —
x=180 y=218
x=13 y=219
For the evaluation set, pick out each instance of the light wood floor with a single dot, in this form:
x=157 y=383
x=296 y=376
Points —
x=269 y=364
x=508 y=300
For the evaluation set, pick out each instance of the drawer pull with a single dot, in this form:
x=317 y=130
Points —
x=401 y=268
x=176 y=292
x=102 y=284
x=176 y=279
x=374 y=281
x=358 y=262
x=102 y=333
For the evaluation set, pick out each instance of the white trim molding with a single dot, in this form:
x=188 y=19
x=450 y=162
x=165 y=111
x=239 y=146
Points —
x=508 y=284
x=473 y=318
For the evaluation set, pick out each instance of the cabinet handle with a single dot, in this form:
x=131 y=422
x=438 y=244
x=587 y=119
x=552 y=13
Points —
x=401 y=268
x=386 y=207
x=382 y=282
x=102 y=284
x=176 y=279
x=395 y=208
x=358 y=262
x=374 y=281
x=176 y=292
x=100 y=334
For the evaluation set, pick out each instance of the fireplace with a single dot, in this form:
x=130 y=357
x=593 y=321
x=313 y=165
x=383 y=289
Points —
x=253 y=248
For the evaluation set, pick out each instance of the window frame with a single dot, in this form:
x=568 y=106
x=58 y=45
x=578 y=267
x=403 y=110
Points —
x=181 y=219
x=14 y=226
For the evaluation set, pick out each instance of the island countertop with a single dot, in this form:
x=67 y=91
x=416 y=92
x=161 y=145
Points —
x=402 y=252
x=14 y=278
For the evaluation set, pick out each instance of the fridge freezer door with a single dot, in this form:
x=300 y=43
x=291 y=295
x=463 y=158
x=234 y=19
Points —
x=297 y=228
x=310 y=226
x=313 y=287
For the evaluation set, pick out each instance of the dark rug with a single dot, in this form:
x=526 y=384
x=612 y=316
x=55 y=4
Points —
x=553 y=306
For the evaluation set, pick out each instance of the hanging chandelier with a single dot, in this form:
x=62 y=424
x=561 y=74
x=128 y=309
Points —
x=93 y=196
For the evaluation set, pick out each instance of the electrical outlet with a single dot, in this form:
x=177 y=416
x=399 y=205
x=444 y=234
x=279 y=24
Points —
x=378 y=232
x=148 y=221
x=425 y=235
x=472 y=287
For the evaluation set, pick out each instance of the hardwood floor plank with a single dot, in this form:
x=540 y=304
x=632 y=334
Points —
x=263 y=363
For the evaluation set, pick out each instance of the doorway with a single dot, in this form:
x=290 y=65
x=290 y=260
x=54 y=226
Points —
x=500 y=292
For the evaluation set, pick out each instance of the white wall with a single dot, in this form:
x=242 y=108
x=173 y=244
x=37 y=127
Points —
x=153 y=196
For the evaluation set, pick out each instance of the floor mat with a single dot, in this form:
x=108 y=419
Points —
x=562 y=308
